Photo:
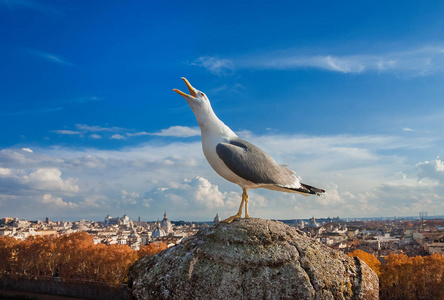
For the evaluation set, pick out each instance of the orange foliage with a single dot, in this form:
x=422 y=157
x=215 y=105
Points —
x=369 y=259
x=72 y=256
x=7 y=254
x=36 y=256
x=416 y=277
x=152 y=249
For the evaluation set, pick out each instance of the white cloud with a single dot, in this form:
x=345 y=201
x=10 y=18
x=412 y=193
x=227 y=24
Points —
x=5 y=172
x=214 y=65
x=88 y=128
x=110 y=132
x=51 y=58
x=129 y=197
x=207 y=194
x=27 y=150
x=26 y=159
x=95 y=202
x=117 y=137
x=332 y=196
x=141 y=133
x=146 y=202
x=173 y=131
x=83 y=129
x=57 y=202
x=49 y=179
x=25 y=186
x=421 y=61
x=197 y=196
x=431 y=169
x=178 y=131
x=67 y=132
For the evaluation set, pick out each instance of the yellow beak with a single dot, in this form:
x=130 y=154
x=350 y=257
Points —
x=190 y=88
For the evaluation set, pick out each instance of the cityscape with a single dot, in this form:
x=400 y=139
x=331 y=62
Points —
x=412 y=236
x=405 y=255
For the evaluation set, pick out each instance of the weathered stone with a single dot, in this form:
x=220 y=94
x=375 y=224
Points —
x=251 y=259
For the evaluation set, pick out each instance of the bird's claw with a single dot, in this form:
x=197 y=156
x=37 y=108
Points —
x=231 y=219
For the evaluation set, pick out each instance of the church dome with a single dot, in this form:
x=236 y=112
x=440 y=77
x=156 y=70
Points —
x=79 y=227
x=158 y=232
x=166 y=224
x=313 y=223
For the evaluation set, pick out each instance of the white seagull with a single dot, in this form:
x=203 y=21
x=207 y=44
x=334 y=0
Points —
x=237 y=160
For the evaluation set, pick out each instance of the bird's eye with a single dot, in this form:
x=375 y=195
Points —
x=202 y=94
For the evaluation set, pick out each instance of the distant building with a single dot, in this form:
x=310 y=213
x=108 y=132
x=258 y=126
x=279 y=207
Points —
x=145 y=237
x=166 y=225
x=111 y=221
x=125 y=220
x=79 y=227
x=6 y=232
x=313 y=223
x=21 y=223
x=134 y=240
x=46 y=232
x=436 y=245
x=313 y=228
x=158 y=232
x=6 y=221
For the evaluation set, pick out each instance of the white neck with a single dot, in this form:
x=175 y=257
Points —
x=209 y=123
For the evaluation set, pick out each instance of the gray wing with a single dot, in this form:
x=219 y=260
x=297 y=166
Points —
x=253 y=164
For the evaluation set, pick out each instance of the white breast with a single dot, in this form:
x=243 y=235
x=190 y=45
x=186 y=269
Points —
x=209 y=143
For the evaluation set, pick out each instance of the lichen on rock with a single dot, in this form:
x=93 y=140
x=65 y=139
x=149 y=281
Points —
x=251 y=259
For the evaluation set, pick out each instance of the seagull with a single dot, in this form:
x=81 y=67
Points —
x=237 y=160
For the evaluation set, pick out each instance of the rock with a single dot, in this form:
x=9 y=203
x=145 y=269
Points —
x=251 y=259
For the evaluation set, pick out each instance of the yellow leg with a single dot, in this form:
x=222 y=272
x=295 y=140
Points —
x=239 y=213
x=246 y=203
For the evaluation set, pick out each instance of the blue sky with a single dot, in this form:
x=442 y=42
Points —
x=348 y=94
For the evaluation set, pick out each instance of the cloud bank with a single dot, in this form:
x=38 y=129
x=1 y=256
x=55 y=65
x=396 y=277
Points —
x=363 y=176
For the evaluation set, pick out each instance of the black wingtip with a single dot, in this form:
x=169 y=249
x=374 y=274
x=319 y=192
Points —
x=312 y=190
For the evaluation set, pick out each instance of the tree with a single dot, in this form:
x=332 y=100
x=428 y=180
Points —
x=72 y=257
x=416 y=277
x=8 y=249
x=115 y=263
x=152 y=249
x=369 y=259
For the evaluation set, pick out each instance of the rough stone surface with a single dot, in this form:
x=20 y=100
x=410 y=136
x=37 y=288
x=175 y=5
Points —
x=251 y=259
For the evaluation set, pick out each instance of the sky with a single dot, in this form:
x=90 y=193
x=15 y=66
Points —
x=348 y=94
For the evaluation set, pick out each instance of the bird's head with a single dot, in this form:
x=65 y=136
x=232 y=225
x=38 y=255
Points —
x=197 y=99
x=205 y=116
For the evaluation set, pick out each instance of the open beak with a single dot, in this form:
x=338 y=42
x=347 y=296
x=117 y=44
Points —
x=190 y=88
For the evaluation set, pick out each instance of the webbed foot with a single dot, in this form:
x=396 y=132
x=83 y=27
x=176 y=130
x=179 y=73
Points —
x=231 y=219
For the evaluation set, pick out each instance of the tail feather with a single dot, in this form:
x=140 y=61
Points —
x=308 y=190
